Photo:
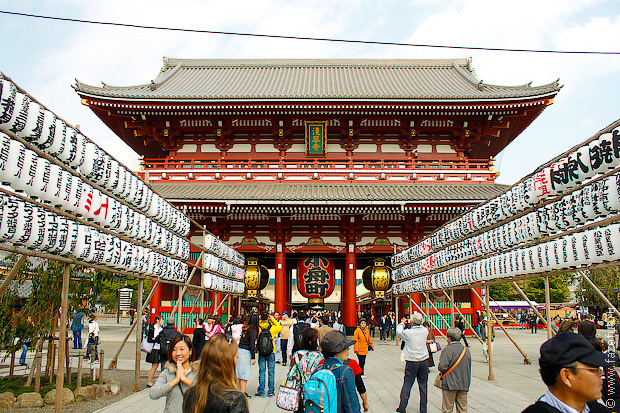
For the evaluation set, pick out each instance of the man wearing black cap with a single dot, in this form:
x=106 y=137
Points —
x=571 y=369
x=335 y=346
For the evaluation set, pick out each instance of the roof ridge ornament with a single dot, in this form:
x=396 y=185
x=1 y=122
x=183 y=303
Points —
x=481 y=85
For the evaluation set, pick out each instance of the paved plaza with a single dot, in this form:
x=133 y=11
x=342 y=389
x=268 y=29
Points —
x=516 y=385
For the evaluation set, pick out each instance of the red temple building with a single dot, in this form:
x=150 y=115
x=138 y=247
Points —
x=349 y=160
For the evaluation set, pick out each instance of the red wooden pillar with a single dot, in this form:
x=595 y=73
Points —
x=476 y=305
x=217 y=309
x=155 y=302
x=349 y=305
x=401 y=308
x=280 y=282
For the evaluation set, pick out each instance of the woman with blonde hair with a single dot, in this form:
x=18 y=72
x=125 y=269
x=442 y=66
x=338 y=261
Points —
x=215 y=388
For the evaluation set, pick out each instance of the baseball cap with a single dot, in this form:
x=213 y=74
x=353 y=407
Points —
x=566 y=348
x=170 y=320
x=284 y=312
x=417 y=318
x=335 y=341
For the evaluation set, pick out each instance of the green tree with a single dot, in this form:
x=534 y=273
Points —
x=607 y=280
x=503 y=292
x=558 y=288
x=36 y=315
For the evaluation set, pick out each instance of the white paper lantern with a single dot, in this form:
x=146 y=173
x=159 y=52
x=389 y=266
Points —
x=602 y=154
x=37 y=234
x=51 y=231
x=12 y=161
x=48 y=131
x=24 y=180
x=612 y=242
x=91 y=159
x=50 y=192
x=71 y=243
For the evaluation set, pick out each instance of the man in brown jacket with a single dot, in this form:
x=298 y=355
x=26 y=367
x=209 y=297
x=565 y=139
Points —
x=323 y=329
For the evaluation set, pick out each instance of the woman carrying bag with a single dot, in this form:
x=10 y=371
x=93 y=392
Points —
x=454 y=373
x=304 y=362
x=430 y=338
x=363 y=344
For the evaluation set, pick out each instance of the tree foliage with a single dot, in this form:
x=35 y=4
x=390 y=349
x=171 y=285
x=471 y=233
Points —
x=558 y=288
x=607 y=280
x=36 y=316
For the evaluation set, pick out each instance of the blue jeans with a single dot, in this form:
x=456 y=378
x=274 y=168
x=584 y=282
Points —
x=77 y=338
x=22 y=358
x=267 y=362
x=413 y=370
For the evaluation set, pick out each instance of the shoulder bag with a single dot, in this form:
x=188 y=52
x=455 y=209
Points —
x=288 y=396
x=440 y=377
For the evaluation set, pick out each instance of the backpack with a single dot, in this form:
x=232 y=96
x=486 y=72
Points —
x=265 y=342
x=164 y=342
x=321 y=390
x=297 y=330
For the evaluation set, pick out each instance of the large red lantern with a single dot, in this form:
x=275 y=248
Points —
x=315 y=278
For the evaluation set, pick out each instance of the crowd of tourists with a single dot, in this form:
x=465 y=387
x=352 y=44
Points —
x=210 y=371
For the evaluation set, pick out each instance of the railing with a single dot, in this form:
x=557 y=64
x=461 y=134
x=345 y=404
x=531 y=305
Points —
x=335 y=165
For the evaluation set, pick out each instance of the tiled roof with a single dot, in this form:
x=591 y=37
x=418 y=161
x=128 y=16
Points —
x=353 y=79
x=336 y=192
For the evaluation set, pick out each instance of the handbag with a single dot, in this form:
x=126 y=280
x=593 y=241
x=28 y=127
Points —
x=146 y=347
x=288 y=397
x=434 y=346
x=439 y=379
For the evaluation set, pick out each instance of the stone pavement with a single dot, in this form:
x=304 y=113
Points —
x=516 y=385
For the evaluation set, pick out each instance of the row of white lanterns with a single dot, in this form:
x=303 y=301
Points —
x=24 y=224
x=568 y=252
x=30 y=121
x=599 y=156
x=25 y=171
x=220 y=249
x=217 y=283
x=212 y=263
x=593 y=201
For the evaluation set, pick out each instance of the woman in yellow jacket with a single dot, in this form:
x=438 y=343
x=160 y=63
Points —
x=363 y=343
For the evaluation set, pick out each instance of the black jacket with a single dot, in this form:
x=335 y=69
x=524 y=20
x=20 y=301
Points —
x=248 y=341
x=198 y=341
x=218 y=401
x=542 y=407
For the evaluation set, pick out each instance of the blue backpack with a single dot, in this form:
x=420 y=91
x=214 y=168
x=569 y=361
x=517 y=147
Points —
x=321 y=390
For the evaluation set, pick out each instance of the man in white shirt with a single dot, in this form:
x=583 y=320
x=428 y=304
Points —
x=416 y=356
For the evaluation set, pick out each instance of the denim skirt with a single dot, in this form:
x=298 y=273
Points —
x=244 y=364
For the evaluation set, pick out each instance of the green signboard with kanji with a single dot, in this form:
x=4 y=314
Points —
x=316 y=138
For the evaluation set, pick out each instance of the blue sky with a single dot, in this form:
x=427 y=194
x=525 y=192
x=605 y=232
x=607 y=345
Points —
x=45 y=57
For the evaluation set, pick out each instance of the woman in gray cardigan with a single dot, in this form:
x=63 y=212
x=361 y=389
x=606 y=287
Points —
x=178 y=374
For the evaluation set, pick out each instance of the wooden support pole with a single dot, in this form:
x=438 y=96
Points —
x=526 y=359
x=135 y=323
x=189 y=280
x=78 y=383
x=67 y=361
x=228 y=310
x=451 y=298
x=397 y=317
x=598 y=291
x=12 y=365
x=189 y=317
x=101 y=356
x=92 y=360
x=538 y=313
x=37 y=377
x=454 y=307
x=12 y=274
x=430 y=321
x=428 y=307
x=62 y=343
x=136 y=383
x=179 y=308
x=37 y=354
x=548 y=307
x=489 y=332
x=202 y=304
